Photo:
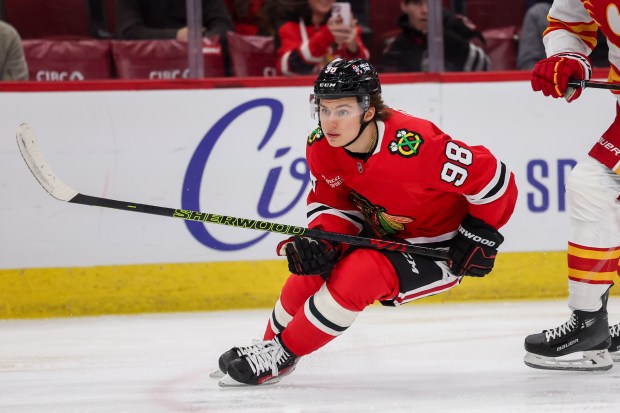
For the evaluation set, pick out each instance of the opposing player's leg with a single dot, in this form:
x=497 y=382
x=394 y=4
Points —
x=607 y=151
x=614 y=348
x=579 y=344
x=593 y=253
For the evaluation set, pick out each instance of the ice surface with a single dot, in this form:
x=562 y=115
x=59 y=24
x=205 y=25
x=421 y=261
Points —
x=416 y=358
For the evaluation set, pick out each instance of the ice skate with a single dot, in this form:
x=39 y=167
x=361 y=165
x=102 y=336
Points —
x=614 y=349
x=266 y=365
x=579 y=344
x=233 y=354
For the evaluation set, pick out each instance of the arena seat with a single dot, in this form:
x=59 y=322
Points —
x=502 y=46
x=383 y=17
x=251 y=55
x=110 y=10
x=68 y=60
x=163 y=59
x=36 y=19
x=490 y=14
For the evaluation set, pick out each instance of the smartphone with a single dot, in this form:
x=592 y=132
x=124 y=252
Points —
x=343 y=11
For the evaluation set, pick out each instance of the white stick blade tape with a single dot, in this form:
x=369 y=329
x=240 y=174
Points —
x=29 y=148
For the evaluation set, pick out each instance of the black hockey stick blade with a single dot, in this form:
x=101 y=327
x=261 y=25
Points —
x=594 y=84
x=33 y=156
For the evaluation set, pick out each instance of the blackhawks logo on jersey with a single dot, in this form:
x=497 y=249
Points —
x=407 y=143
x=380 y=221
x=315 y=136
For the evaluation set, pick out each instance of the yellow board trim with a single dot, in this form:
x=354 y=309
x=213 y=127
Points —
x=130 y=289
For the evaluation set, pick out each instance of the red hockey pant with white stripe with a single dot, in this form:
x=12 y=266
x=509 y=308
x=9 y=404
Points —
x=311 y=312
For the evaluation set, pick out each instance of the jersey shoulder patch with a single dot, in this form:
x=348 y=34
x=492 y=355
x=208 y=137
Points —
x=406 y=143
x=314 y=136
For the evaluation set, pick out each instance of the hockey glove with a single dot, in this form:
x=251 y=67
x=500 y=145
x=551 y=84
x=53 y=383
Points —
x=474 y=248
x=551 y=75
x=308 y=256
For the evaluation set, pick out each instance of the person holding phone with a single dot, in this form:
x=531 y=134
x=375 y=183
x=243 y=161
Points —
x=378 y=172
x=310 y=34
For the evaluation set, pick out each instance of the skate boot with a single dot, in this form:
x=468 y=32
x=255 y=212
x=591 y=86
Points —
x=266 y=365
x=614 y=349
x=586 y=332
x=233 y=354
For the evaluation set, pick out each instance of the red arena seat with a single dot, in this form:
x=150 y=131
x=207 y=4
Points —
x=501 y=45
x=36 y=19
x=63 y=60
x=163 y=59
x=251 y=55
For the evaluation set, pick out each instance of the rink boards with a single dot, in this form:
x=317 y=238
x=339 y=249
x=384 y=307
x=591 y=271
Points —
x=240 y=151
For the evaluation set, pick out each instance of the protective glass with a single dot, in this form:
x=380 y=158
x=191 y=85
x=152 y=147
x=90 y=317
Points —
x=337 y=111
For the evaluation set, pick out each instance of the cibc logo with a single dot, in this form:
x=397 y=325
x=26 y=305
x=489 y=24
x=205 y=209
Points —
x=53 y=75
x=169 y=74
x=194 y=175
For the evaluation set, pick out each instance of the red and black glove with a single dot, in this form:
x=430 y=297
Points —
x=474 y=248
x=309 y=256
x=551 y=75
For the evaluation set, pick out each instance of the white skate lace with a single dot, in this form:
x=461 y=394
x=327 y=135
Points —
x=257 y=345
x=267 y=358
x=615 y=330
x=570 y=325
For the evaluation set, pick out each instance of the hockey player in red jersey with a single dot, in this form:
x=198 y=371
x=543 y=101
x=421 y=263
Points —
x=592 y=191
x=384 y=173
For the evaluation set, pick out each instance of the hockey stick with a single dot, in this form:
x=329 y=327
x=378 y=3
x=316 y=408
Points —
x=573 y=85
x=33 y=156
x=594 y=84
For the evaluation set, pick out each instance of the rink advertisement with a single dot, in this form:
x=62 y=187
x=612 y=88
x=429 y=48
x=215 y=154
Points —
x=240 y=152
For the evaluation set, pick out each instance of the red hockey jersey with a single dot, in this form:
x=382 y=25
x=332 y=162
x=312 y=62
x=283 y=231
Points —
x=417 y=185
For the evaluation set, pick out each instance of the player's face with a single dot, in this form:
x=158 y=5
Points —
x=340 y=120
x=417 y=12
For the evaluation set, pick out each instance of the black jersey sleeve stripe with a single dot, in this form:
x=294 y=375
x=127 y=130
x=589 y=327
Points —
x=501 y=182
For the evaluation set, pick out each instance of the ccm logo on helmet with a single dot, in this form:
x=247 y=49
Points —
x=327 y=84
x=476 y=238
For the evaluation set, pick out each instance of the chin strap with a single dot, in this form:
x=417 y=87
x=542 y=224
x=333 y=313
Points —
x=362 y=127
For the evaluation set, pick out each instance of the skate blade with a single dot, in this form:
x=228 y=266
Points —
x=595 y=360
x=228 y=381
x=217 y=374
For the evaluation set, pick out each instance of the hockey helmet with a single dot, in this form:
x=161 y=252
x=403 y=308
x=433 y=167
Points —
x=345 y=78
x=342 y=78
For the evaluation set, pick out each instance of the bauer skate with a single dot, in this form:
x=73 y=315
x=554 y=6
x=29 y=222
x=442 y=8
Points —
x=266 y=365
x=614 y=349
x=233 y=354
x=585 y=332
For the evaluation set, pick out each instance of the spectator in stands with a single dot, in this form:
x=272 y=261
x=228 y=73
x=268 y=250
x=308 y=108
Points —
x=408 y=52
x=13 y=64
x=167 y=19
x=531 y=47
x=308 y=37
